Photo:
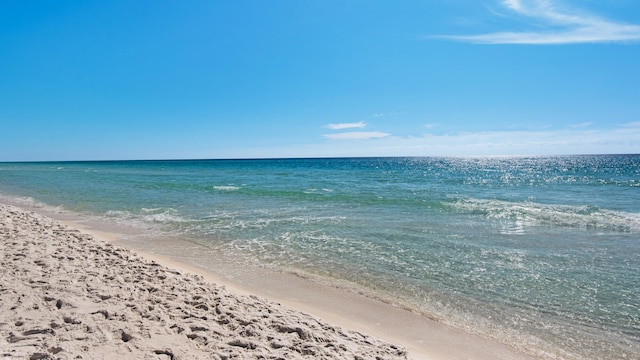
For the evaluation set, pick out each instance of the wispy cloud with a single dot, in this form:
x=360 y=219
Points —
x=379 y=115
x=622 y=139
x=357 y=135
x=560 y=26
x=581 y=125
x=341 y=126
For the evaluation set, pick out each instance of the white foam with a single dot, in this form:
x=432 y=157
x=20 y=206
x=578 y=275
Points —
x=148 y=215
x=519 y=215
x=29 y=202
x=226 y=188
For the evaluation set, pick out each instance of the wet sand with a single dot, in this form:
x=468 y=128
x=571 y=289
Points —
x=95 y=294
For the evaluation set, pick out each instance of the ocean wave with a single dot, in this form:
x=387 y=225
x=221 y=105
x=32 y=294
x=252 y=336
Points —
x=524 y=214
x=148 y=215
x=29 y=202
x=226 y=188
x=316 y=191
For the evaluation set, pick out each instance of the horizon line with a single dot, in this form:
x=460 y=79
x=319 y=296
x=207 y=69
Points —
x=315 y=158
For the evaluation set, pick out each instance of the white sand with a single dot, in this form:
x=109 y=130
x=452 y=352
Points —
x=65 y=294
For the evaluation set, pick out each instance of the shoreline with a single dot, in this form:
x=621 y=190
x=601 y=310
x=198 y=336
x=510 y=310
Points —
x=421 y=336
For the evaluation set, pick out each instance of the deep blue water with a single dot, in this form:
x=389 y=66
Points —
x=540 y=252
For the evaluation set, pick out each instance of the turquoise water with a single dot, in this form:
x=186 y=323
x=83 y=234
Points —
x=539 y=252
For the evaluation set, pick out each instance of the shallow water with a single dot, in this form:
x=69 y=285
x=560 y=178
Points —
x=539 y=252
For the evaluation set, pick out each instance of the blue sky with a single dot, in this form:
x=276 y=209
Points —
x=91 y=80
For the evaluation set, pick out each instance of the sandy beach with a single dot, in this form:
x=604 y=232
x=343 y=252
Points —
x=67 y=293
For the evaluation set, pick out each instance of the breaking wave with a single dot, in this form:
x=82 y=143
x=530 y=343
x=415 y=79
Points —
x=530 y=213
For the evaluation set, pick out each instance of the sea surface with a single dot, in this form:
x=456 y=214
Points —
x=539 y=252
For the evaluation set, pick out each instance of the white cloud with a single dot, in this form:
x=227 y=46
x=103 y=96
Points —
x=357 y=135
x=623 y=139
x=341 y=126
x=544 y=142
x=581 y=125
x=563 y=26
x=513 y=4
x=379 y=115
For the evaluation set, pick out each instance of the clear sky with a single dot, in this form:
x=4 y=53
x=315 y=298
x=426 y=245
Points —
x=125 y=79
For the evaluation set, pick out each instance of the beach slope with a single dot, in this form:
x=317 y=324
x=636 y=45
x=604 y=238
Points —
x=65 y=294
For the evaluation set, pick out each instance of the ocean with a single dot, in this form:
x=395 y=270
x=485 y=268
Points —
x=542 y=253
